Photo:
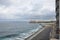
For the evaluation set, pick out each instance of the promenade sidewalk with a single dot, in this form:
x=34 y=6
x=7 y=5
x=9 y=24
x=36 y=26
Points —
x=54 y=39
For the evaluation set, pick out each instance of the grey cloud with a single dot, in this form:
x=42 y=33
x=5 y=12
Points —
x=48 y=12
x=36 y=7
x=5 y=2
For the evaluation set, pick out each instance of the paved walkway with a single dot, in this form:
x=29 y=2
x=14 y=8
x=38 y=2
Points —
x=54 y=39
x=41 y=35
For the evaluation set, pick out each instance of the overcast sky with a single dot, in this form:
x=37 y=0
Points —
x=26 y=9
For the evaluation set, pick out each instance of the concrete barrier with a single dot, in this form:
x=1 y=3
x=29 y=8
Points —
x=43 y=34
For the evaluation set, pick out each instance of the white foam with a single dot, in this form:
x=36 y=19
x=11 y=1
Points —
x=22 y=36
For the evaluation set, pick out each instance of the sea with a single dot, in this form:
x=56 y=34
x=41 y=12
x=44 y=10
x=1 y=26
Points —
x=17 y=30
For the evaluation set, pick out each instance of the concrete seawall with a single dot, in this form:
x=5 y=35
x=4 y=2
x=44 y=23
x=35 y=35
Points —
x=43 y=34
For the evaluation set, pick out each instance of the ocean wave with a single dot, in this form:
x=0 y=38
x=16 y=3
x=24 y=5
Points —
x=22 y=36
x=25 y=35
